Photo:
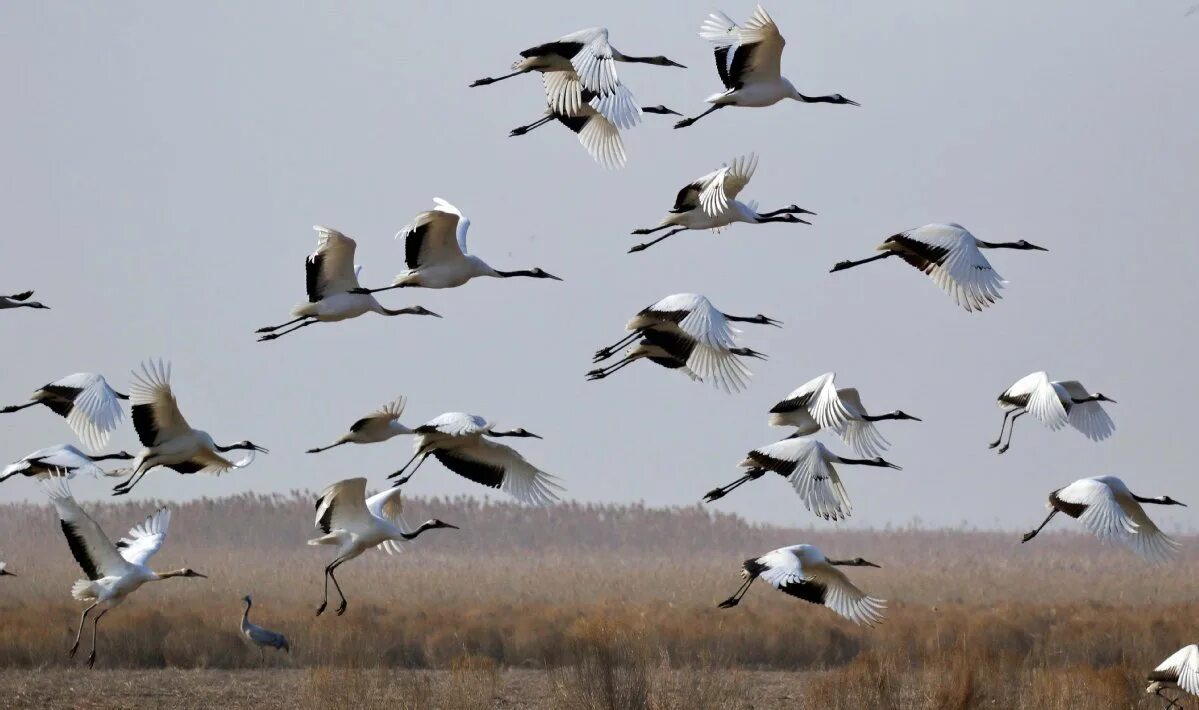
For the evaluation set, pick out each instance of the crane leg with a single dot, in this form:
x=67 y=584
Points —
x=1002 y=427
x=737 y=595
x=491 y=80
x=91 y=658
x=521 y=130
x=602 y=372
x=272 y=336
x=605 y=353
x=79 y=632
x=16 y=408
x=405 y=467
x=127 y=485
x=688 y=121
x=407 y=478
x=342 y=608
x=1011 y=430
x=651 y=230
x=319 y=449
x=261 y=656
x=717 y=493
x=842 y=265
x=273 y=328
x=1030 y=535
x=647 y=245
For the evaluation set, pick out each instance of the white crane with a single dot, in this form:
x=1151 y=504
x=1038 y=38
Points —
x=460 y=442
x=85 y=400
x=168 y=439
x=21 y=300
x=598 y=134
x=804 y=572
x=686 y=329
x=1179 y=672
x=376 y=427
x=436 y=255
x=4 y=570
x=259 y=636
x=114 y=570
x=819 y=404
x=354 y=524
x=950 y=256
x=591 y=62
x=1055 y=404
x=809 y=467
x=61 y=459
x=710 y=202
x=333 y=290
x=1112 y=512
x=749 y=59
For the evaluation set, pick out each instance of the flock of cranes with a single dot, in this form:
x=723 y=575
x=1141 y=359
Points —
x=684 y=332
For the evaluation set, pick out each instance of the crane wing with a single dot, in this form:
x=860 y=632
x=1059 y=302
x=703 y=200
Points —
x=92 y=549
x=1147 y=540
x=342 y=506
x=1036 y=394
x=454 y=424
x=500 y=466
x=433 y=236
x=725 y=184
x=96 y=410
x=745 y=54
x=389 y=506
x=822 y=400
x=842 y=596
x=818 y=483
x=1090 y=418
x=1183 y=666
x=213 y=463
x=858 y=432
x=1103 y=514
x=330 y=269
x=144 y=540
x=156 y=415
x=950 y=256
x=594 y=62
x=563 y=92
x=598 y=136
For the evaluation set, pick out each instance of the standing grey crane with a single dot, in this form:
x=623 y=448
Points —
x=21 y=300
x=259 y=636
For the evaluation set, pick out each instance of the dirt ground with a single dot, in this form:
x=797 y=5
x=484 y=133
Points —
x=292 y=688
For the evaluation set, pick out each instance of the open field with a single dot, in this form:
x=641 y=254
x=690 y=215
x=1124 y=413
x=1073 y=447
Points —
x=592 y=606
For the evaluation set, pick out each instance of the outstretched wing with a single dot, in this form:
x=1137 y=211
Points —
x=330 y=269
x=1181 y=668
x=1036 y=394
x=950 y=256
x=342 y=506
x=156 y=415
x=389 y=506
x=726 y=183
x=1090 y=418
x=96 y=411
x=745 y=54
x=500 y=466
x=144 y=540
x=92 y=549
x=433 y=236
x=822 y=400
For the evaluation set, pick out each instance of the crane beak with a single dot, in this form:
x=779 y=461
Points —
x=851 y=102
x=262 y=449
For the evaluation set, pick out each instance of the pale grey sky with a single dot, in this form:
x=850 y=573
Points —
x=163 y=164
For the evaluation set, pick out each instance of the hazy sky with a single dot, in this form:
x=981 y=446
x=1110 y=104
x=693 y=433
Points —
x=163 y=164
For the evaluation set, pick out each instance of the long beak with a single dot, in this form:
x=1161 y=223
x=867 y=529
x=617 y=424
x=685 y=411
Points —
x=1109 y=399
x=1034 y=246
x=794 y=209
x=455 y=527
x=772 y=321
x=891 y=465
x=262 y=449
x=204 y=576
x=536 y=436
x=672 y=63
x=868 y=563
x=551 y=276
x=915 y=419
x=1176 y=502
x=851 y=102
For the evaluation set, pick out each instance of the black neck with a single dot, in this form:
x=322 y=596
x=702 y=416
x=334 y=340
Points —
x=776 y=218
x=119 y=455
x=830 y=99
x=863 y=462
x=416 y=533
x=880 y=417
x=1155 y=501
x=1084 y=400
x=999 y=245
x=509 y=274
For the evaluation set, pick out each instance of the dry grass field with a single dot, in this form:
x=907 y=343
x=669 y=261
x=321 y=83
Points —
x=581 y=606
